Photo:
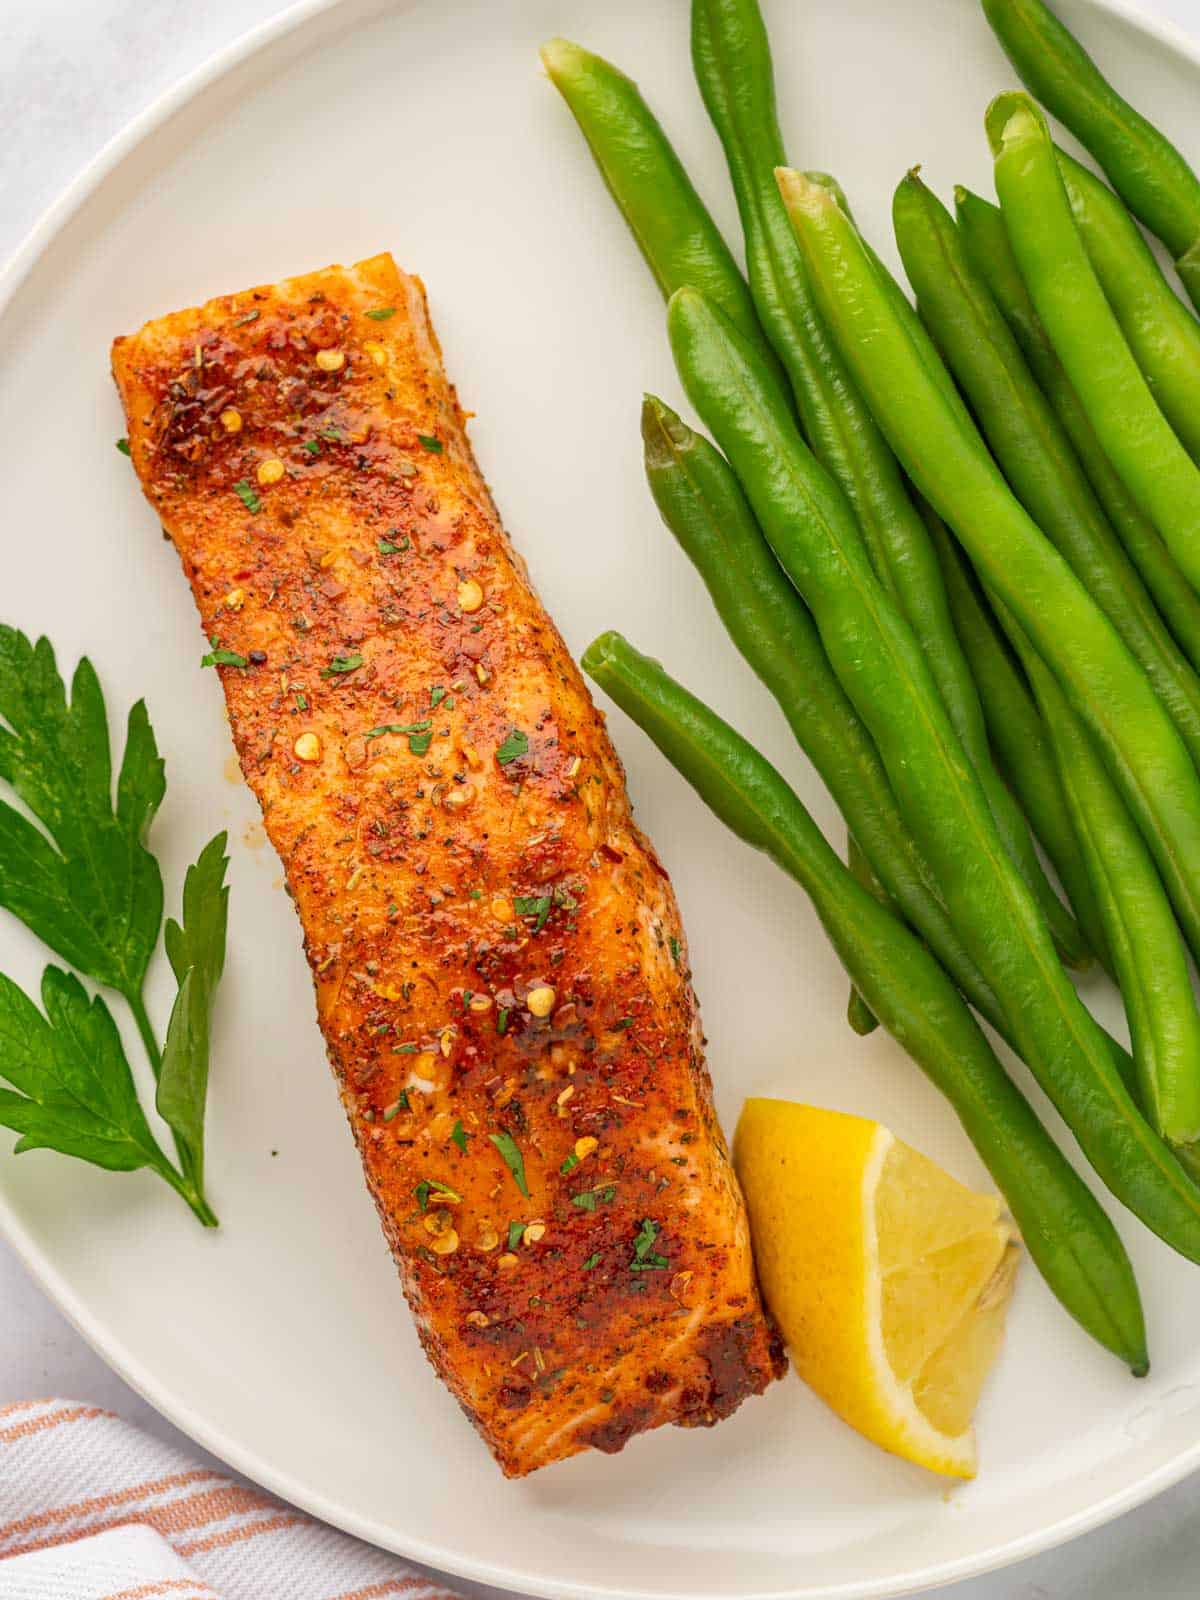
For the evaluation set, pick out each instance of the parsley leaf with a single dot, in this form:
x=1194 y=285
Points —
x=459 y=1136
x=516 y=1232
x=513 y=1159
x=644 y=1258
x=418 y=743
x=88 y=887
x=533 y=906
x=585 y=1200
x=436 y=696
x=428 y=1186
x=91 y=890
x=311 y=447
x=515 y=744
x=592 y=1261
x=223 y=658
x=569 y=1163
x=342 y=664
x=247 y=496
x=381 y=313
x=196 y=951
x=388 y=547
x=397 y=727
x=123 y=446
x=434 y=446
x=72 y=1090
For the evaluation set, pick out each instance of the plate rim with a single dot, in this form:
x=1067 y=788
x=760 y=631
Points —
x=15 y=272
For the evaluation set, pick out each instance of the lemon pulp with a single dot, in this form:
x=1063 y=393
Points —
x=889 y=1279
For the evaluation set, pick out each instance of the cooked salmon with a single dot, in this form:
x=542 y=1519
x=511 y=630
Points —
x=500 y=971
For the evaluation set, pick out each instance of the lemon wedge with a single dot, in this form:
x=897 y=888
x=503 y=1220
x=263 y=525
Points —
x=889 y=1280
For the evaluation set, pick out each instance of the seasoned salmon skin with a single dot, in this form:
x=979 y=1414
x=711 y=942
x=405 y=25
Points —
x=500 y=971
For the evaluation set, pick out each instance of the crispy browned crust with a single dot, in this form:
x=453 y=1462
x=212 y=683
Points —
x=438 y=888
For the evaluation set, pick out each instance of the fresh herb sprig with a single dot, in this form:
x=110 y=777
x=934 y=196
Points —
x=87 y=886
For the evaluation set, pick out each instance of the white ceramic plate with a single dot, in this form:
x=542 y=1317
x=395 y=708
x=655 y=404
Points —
x=282 y=1342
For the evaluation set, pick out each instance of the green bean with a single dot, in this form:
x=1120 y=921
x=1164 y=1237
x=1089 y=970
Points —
x=1073 y=944
x=1030 y=444
x=1160 y=330
x=1138 y=440
x=900 y=304
x=1149 y=955
x=702 y=504
x=953 y=470
x=1019 y=734
x=810 y=526
x=858 y=1013
x=986 y=240
x=732 y=58
x=1142 y=164
x=677 y=236
x=1067 y=1233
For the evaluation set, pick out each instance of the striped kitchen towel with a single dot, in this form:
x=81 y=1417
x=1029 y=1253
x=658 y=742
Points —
x=92 y=1508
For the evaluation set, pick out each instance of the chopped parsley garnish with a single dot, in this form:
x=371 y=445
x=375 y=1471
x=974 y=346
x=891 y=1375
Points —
x=388 y=547
x=428 y=1186
x=301 y=700
x=436 y=696
x=644 y=1258
x=397 y=1106
x=592 y=1261
x=247 y=496
x=569 y=1165
x=502 y=1019
x=342 y=664
x=418 y=743
x=381 y=313
x=587 y=1199
x=217 y=657
x=533 y=906
x=123 y=446
x=516 y=1232
x=512 y=1158
x=427 y=443
x=515 y=744
x=459 y=1137
x=397 y=727
x=312 y=446
x=674 y=944
x=251 y=316
x=625 y=1022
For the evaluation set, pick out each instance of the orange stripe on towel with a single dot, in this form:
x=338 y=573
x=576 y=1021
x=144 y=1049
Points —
x=103 y=1502
x=378 y=1591
x=218 y=1541
x=179 y=1516
x=192 y=1587
x=52 y=1419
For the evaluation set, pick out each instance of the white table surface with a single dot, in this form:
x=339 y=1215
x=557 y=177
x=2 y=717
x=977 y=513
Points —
x=72 y=72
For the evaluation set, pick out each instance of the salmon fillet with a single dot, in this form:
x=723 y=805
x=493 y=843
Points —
x=500 y=971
